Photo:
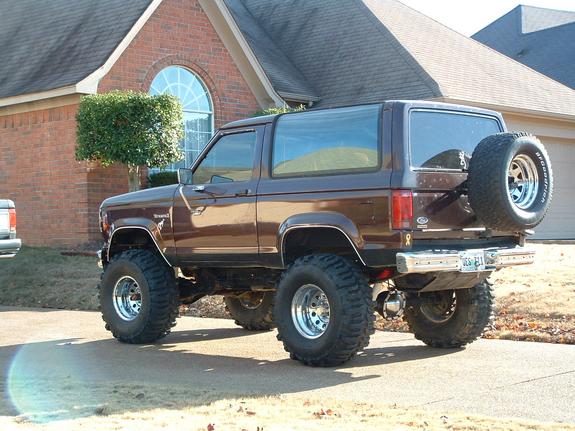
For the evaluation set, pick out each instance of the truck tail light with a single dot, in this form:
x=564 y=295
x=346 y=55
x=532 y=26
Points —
x=104 y=225
x=402 y=209
x=12 y=216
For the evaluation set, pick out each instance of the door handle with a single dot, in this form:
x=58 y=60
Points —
x=243 y=192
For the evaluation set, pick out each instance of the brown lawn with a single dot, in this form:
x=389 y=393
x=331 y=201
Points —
x=146 y=408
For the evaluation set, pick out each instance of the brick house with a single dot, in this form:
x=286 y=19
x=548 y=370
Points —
x=226 y=59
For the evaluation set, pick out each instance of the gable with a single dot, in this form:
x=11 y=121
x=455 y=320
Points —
x=539 y=38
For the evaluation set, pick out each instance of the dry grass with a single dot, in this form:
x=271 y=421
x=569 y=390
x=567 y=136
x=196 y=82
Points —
x=532 y=302
x=42 y=277
x=147 y=407
x=537 y=302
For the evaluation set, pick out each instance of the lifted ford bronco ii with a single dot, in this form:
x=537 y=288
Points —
x=309 y=221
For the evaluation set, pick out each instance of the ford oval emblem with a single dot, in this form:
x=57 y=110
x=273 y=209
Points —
x=422 y=220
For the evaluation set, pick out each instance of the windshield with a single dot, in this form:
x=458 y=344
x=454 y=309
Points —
x=446 y=140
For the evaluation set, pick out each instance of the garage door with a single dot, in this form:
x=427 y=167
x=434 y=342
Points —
x=560 y=220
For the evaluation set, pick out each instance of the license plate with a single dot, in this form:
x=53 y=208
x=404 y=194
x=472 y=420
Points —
x=472 y=261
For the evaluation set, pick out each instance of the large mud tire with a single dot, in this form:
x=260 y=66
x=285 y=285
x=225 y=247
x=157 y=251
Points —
x=464 y=323
x=351 y=313
x=254 y=315
x=158 y=295
x=510 y=182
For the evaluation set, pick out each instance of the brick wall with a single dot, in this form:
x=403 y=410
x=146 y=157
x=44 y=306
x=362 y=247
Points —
x=38 y=172
x=180 y=33
x=58 y=198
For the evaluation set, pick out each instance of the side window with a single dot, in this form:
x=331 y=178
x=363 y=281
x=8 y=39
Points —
x=334 y=141
x=231 y=159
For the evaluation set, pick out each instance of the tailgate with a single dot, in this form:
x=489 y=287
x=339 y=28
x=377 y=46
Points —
x=441 y=144
x=4 y=223
x=439 y=202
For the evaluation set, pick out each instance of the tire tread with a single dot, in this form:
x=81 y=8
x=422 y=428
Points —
x=164 y=298
x=355 y=294
x=479 y=312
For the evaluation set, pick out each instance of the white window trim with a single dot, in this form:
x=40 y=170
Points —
x=212 y=113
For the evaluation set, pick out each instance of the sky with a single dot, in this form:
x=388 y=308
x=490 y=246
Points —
x=470 y=16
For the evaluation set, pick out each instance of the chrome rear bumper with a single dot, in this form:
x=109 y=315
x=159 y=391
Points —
x=442 y=260
x=9 y=247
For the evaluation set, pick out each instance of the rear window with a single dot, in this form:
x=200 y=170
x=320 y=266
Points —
x=446 y=140
x=333 y=141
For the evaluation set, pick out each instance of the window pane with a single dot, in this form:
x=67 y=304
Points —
x=343 y=140
x=197 y=110
x=446 y=140
x=198 y=130
x=230 y=159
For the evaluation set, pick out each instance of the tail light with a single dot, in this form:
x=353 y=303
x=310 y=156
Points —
x=104 y=225
x=402 y=209
x=12 y=216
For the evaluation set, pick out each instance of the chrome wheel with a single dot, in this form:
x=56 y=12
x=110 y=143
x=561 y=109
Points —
x=523 y=181
x=440 y=307
x=127 y=298
x=310 y=311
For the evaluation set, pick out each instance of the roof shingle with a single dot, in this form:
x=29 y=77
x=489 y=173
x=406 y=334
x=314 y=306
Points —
x=354 y=51
x=542 y=39
x=51 y=44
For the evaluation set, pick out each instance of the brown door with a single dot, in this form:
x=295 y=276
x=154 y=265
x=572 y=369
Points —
x=215 y=218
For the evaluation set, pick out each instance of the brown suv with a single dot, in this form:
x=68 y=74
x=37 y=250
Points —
x=308 y=221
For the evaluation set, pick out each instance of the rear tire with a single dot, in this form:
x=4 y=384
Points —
x=253 y=312
x=138 y=297
x=323 y=310
x=450 y=318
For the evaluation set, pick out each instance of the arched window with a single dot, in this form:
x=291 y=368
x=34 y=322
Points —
x=198 y=109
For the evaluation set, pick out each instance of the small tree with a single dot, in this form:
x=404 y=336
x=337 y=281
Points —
x=135 y=129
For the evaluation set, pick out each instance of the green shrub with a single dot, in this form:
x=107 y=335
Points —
x=132 y=128
x=160 y=179
x=282 y=110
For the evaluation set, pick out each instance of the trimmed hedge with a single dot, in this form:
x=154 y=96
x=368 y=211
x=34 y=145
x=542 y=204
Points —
x=135 y=129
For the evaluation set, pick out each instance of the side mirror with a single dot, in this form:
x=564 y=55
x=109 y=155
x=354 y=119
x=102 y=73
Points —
x=185 y=177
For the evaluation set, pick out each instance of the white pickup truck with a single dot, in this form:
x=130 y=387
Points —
x=9 y=244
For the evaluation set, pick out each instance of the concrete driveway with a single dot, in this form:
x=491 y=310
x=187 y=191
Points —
x=40 y=349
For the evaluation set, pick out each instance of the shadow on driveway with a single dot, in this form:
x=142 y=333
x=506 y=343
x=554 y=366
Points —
x=68 y=378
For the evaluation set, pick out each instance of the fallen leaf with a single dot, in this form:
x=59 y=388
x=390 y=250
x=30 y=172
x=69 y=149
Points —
x=211 y=427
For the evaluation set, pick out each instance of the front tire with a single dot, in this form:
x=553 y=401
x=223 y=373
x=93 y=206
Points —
x=252 y=311
x=138 y=297
x=450 y=318
x=323 y=310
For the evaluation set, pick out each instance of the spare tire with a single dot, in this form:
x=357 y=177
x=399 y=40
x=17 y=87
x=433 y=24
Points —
x=510 y=182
